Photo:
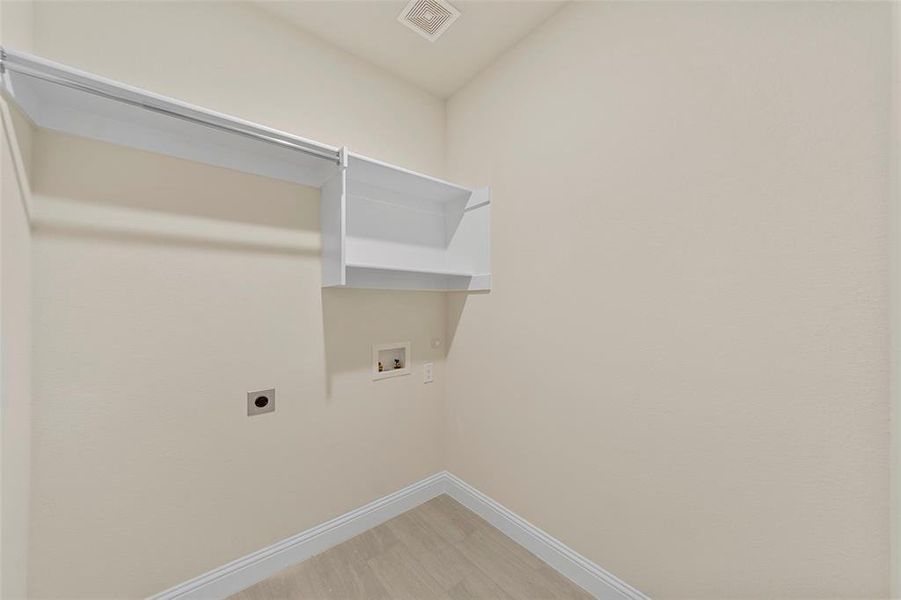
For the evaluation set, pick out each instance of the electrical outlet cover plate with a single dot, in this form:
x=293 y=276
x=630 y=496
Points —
x=260 y=402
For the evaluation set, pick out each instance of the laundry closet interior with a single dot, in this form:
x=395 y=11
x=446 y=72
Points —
x=448 y=299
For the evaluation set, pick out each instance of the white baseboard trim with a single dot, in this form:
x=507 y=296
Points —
x=244 y=572
x=257 y=566
x=569 y=563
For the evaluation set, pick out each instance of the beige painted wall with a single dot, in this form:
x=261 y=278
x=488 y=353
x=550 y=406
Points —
x=164 y=290
x=17 y=24
x=708 y=415
x=240 y=60
x=16 y=20
x=682 y=369
x=895 y=317
x=15 y=364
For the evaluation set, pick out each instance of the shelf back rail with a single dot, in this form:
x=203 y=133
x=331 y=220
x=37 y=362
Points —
x=31 y=66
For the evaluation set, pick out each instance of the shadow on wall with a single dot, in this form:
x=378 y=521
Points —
x=426 y=319
x=456 y=302
x=164 y=291
x=92 y=189
x=89 y=192
x=381 y=317
x=104 y=174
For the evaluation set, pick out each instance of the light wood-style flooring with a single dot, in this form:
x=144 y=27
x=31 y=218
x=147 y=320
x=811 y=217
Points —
x=439 y=550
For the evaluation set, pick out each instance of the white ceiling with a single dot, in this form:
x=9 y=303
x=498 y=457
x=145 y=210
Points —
x=370 y=30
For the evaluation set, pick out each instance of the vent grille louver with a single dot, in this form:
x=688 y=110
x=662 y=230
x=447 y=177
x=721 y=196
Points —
x=428 y=18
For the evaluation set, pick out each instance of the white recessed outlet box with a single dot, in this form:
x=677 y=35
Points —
x=428 y=372
x=391 y=360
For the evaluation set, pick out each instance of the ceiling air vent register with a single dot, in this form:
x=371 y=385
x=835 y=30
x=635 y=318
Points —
x=428 y=18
